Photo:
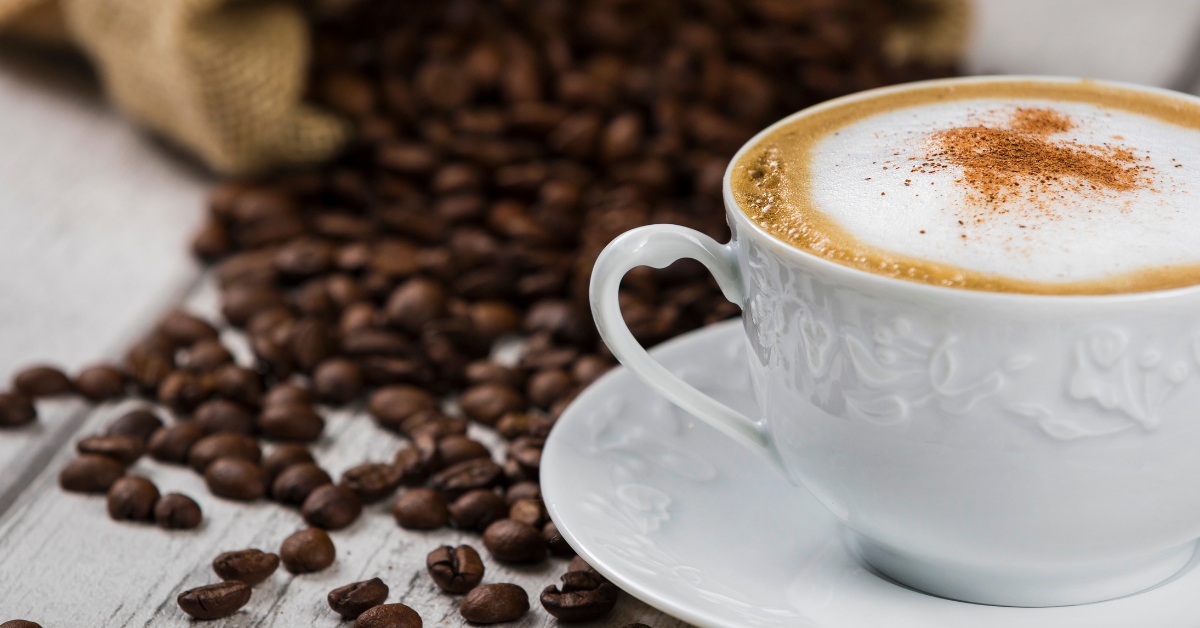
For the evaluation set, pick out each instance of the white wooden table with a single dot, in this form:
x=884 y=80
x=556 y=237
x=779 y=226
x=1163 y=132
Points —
x=94 y=220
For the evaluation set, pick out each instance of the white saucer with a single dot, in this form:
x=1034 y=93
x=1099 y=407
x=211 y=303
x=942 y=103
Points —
x=687 y=521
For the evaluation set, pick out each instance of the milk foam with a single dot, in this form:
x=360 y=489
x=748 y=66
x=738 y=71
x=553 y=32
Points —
x=868 y=178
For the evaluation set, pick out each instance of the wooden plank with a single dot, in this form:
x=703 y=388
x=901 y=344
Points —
x=94 y=221
x=79 y=568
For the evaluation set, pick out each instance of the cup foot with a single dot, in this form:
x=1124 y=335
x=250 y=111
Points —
x=1044 y=586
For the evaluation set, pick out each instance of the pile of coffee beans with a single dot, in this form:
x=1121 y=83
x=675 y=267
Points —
x=500 y=146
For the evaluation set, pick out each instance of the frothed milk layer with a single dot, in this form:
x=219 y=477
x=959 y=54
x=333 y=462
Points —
x=1014 y=186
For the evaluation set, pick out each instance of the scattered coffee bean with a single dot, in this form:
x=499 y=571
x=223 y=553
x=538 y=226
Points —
x=548 y=386
x=420 y=509
x=434 y=425
x=90 y=473
x=16 y=410
x=215 y=600
x=176 y=511
x=527 y=452
x=415 y=303
x=182 y=391
x=372 y=481
x=477 y=509
x=132 y=498
x=391 y=405
x=140 y=424
x=531 y=512
x=307 y=551
x=354 y=599
x=578 y=564
x=205 y=356
x=283 y=456
x=222 y=445
x=288 y=394
x=331 y=507
x=455 y=569
x=584 y=596
x=184 y=329
x=455 y=449
x=514 y=542
x=488 y=372
x=468 y=476
x=522 y=490
x=495 y=603
x=517 y=424
x=124 y=449
x=249 y=565
x=101 y=382
x=388 y=616
x=337 y=380
x=555 y=541
x=219 y=415
x=297 y=482
x=238 y=384
x=486 y=403
x=589 y=368
x=234 y=478
x=291 y=422
x=172 y=444
x=20 y=623
x=41 y=381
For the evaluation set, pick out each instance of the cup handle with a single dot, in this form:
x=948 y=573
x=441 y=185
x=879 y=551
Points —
x=658 y=246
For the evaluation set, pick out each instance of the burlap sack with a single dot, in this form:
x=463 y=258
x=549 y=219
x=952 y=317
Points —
x=224 y=78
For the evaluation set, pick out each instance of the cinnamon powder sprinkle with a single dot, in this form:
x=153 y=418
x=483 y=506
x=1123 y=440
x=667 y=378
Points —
x=1019 y=160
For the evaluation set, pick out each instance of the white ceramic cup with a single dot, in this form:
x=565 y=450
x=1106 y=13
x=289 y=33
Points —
x=1008 y=449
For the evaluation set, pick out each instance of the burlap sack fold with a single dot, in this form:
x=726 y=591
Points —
x=224 y=78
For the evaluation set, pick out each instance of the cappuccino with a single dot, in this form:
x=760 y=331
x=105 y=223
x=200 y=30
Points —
x=1032 y=186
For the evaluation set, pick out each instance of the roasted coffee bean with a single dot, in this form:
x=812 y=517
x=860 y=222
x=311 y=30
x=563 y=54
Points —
x=234 y=478
x=434 y=425
x=206 y=356
x=132 y=498
x=283 y=456
x=589 y=368
x=486 y=403
x=124 y=449
x=249 y=565
x=90 y=473
x=492 y=319
x=182 y=391
x=176 y=511
x=584 y=596
x=172 y=444
x=513 y=472
x=240 y=302
x=331 y=507
x=578 y=564
x=222 y=445
x=517 y=424
x=522 y=490
x=41 y=381
x=529 y=511
x=527 y=451
x=548 y=386
x=184 y=329
x=140 y=424
x=420 y=509
x=215 y=600
x=555 y=541
x=372 y=481
x=291 y=422
x=393 y=404
x=388 y=616
x=16 y=409
x=488 y=372
x=219 y=415
x=149 y=362
x=639 y=625
x=288 y=394
x=416 y=302
x=477 y=509
x=514 y=542
x=295 y=483
x=20 y=623
x=307 y=551
x=495 y=603
x=468 y=476
x=337 y=380
x=238 y=384
x=455 y=569
x=354 y=599
x=415 y=463
x=455 y=449
x=100 y=382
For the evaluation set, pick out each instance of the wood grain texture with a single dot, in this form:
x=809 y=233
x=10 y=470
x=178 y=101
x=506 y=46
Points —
x=67 y=564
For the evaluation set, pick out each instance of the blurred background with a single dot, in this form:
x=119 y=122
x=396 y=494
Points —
x=96 y=212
